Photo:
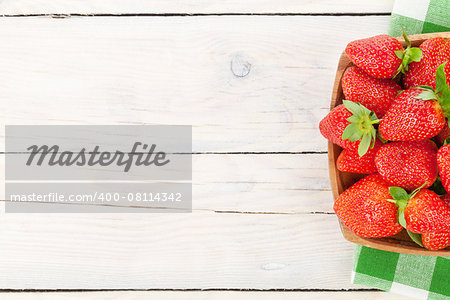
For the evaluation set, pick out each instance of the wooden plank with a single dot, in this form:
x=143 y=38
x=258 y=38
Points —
x=270 y=183
x=179 y=70
x=207 y=295
x=173 y=251
x=262 y=183
x=14 y=7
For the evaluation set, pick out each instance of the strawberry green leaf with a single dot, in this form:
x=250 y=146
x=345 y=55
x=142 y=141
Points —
x=427 y=95
x=366 y=110
x=356 y=136
x=354 y=119
x=373 y=137
x=398 y=193
x=349 y=130
x=424 y=87
x=401 y=198
x=441 y=83
x=400 y=54
x=373 y=117
x=443 y=90
x=361 y=126
x=401 y=217
x=364 y=144
x=415 y=54
x=417 y=238
x=353 y=107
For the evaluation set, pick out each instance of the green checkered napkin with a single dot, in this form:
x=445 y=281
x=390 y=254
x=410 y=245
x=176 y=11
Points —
x=421 y=277
x=420 y=16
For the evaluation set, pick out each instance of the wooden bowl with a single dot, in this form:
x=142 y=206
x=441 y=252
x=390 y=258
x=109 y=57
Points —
x=340 y=181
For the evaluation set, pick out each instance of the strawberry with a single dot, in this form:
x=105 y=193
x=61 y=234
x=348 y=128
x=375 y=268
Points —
x=350 y=125
x=375 y=94
x=443 y=161
x=436 y=241
x=435 y=51
x=408 y=164
x=418 y=113
x=363 y=208
x=334 y=124
x=350 y=161
x=443 y=134
x=382 y=56
x=411 y=119
x=421 y=212
x=427 y=213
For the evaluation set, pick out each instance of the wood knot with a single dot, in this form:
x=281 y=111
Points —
x=240 y=67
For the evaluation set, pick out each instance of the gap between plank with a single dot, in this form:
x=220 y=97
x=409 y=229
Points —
x=63 y=16
x=180 y=290
x=198 y=209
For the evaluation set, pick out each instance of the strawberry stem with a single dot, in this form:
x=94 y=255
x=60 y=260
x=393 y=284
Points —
x=408 y=55
x=408 y=43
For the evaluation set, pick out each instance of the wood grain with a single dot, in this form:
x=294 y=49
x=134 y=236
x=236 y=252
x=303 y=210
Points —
x=199 y=250
x=23 y=7
x=270 y=183
x=152 y=70
x=341 y=181
x=179 y=70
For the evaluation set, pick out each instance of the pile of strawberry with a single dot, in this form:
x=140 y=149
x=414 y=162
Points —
x=394 y=126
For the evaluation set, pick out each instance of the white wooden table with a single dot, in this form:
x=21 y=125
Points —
x=253 y=78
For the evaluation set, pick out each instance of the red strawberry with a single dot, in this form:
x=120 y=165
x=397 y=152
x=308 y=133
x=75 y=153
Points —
x=382 y=56
x=443 y=160
x=408 y=164
x=443 y=134
x=334 y=124
x=363 y=208
x=350 y=161
x=427 y=213
x=412 y=119
x=436 y=51
x=375 y=94
x=436 y=241
x=350 y=126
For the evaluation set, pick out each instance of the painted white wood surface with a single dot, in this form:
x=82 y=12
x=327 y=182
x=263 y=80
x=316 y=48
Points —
x=176 y=70
x=14 y=7
x=270 y=183
x=210 y=295
x=173 y=251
